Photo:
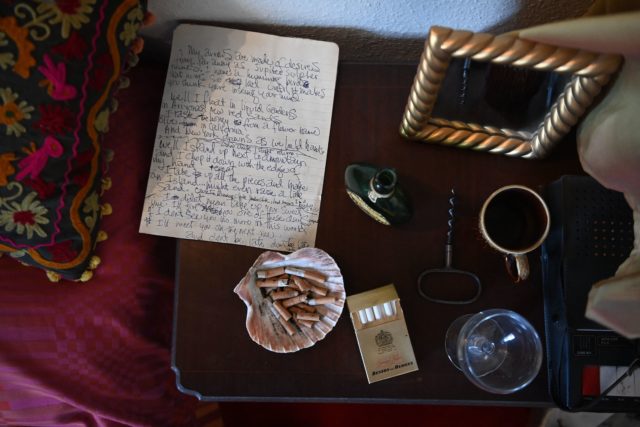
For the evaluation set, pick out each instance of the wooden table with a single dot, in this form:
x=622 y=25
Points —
x=215 y=359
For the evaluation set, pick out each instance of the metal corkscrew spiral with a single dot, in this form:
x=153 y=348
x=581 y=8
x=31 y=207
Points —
x=452 y=212
x=434 y=274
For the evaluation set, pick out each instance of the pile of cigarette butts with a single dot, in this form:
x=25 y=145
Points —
x=294 y=293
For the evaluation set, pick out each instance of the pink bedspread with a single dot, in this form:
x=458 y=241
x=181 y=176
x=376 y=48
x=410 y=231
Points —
x=97 y=353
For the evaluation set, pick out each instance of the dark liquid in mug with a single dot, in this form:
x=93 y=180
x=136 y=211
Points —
x=515 y=220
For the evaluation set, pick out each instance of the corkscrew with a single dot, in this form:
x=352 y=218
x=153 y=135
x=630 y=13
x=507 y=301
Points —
x=428 y=276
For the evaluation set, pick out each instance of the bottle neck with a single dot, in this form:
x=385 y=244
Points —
x=383 y=184
x=384 y=181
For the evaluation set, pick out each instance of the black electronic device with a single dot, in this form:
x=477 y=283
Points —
x=591 y=234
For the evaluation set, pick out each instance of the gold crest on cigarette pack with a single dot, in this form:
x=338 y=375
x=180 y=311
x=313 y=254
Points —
x=382 y=334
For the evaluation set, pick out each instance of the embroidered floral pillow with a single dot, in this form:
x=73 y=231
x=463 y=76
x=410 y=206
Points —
x=60 y=62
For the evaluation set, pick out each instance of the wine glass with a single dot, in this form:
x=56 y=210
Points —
x=498 y=350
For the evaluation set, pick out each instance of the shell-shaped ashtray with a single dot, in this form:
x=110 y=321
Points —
x=265 y=324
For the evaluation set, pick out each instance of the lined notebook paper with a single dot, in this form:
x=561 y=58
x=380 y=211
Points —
x=242 y=139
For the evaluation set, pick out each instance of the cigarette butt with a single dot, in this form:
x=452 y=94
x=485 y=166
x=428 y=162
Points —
x=377 y=313
x=283 y=312
x=295 y=300
x=320 y=290
x=284 y=294
x=302 y=284
x=282 y=280
x=307 y=323
x=296 y=310
x=362 y=316
x=294 y=271
x=309 y=274
x=287 y=326
x=307 y=307
x=321 y=300
x=261 y=283
x=294 y=288
x=293 y=284
x=314 y=317
x=273 y=272
x=369 y=312
x=274 y=282
x=314 y=275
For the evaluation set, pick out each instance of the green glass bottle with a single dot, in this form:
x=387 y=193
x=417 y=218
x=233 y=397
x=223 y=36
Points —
x=376 y=191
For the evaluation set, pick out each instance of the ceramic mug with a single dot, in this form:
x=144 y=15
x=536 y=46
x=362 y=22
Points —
x=514 y=220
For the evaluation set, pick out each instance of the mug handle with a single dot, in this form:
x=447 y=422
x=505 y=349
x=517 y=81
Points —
x=517 y=266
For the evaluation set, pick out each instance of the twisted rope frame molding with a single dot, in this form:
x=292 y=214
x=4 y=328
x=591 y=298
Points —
x=590 y=72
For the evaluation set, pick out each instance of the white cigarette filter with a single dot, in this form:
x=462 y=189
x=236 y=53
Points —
x=363 y=317
x=321 y=300
x=377 y=312
x=369 y=312
x=389 y=308
x=308 y=274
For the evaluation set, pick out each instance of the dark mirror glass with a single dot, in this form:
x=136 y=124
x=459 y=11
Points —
x=497 y=95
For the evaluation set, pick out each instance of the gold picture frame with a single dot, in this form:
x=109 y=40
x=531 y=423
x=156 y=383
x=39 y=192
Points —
x=589 y=73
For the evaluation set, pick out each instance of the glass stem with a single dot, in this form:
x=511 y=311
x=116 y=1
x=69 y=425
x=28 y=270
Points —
x=481 y=346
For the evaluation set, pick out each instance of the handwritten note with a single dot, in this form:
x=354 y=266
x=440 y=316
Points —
x=242 y=139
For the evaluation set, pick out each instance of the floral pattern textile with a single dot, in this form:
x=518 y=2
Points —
x=13 y=113
x=60 y=63
x=24 y=216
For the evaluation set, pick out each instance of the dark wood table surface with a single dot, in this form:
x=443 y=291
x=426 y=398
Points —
x=213 y=355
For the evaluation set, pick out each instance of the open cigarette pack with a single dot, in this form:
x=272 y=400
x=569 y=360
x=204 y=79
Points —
x=382 y=334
